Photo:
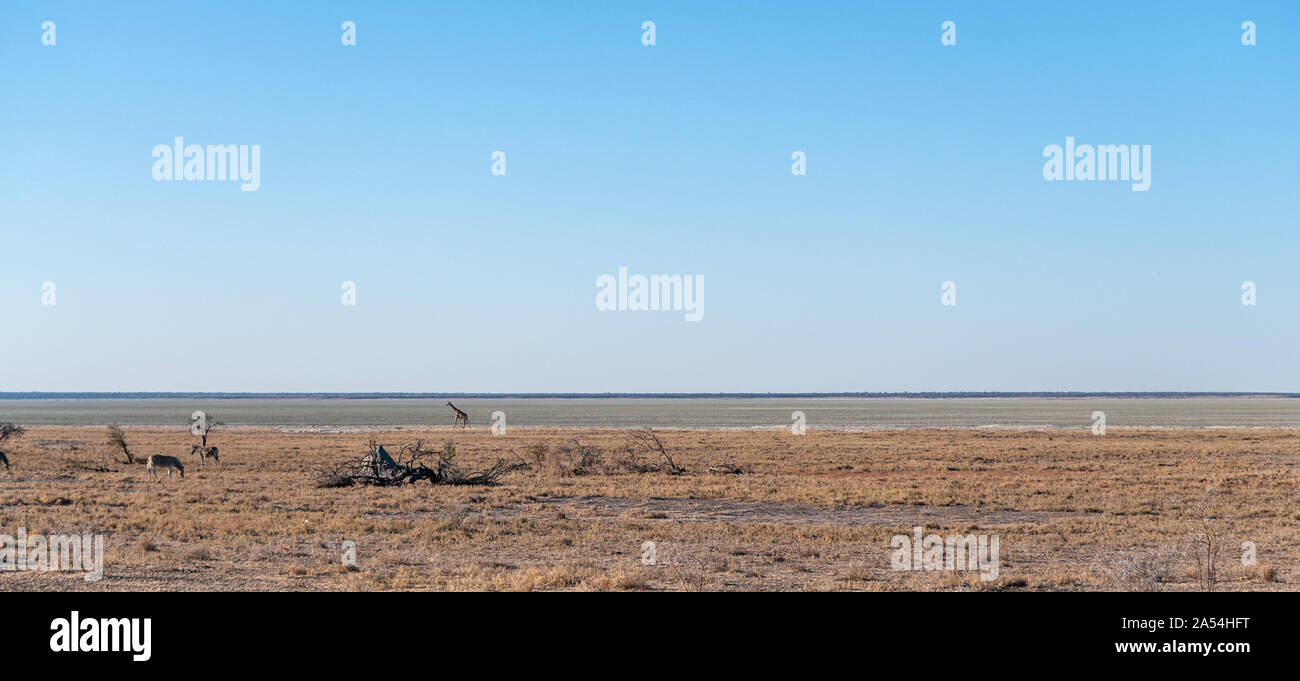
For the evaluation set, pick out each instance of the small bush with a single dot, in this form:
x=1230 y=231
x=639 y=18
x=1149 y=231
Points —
x=573 y=458
x=538 y=453
x=1146 y=570
x=857 y=573
x=330 y=479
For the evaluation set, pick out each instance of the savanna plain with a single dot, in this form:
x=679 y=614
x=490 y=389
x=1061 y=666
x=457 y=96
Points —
x=726 y=509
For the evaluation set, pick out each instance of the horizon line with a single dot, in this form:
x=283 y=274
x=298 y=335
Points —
x=931 y=394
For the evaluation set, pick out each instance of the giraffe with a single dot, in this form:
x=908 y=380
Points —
x=461 y=417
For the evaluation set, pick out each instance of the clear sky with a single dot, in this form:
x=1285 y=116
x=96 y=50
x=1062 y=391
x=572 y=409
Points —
x=924 y=165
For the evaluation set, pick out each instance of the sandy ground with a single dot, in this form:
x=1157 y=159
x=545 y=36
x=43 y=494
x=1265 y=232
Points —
x=1128 y=510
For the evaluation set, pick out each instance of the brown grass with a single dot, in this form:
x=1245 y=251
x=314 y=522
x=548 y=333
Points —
x=1073 y=511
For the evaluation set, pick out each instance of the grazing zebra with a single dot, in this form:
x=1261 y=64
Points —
x=168 y=462
x=205 y=453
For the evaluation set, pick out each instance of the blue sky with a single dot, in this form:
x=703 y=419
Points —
x=924 y=165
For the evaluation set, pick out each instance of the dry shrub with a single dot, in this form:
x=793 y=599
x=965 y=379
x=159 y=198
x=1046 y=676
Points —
x=688 y=571
x=648 y=440
x=627 y=460
x=8 y=430
x=1206 y=538
x=332 y=479
x=538 y=451
x=1146 y=570
x=1198 y=558
x=561 y=576
x=619 y=580
x=117 y=441
x=573 y=458
x=691 y=577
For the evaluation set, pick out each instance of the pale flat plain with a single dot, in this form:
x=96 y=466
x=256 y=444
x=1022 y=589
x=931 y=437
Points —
x=823 y=413
x=1072 y=510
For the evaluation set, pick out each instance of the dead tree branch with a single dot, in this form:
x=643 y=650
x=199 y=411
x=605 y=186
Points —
x=117 y=440
x=649 y=440
x=8 y=430
x=414 y=462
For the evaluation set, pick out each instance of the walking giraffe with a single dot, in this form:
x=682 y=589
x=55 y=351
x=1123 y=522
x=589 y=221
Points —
x=461 y=417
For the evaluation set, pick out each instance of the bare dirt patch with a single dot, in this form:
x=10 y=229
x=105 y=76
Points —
x=777 y=513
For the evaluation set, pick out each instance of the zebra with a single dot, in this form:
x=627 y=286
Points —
x=168 y=462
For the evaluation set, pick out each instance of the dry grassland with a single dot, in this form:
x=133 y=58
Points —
x=1072 y=510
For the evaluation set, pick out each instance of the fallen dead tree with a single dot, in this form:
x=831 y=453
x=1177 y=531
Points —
x=649 y=441
x=413 y=463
